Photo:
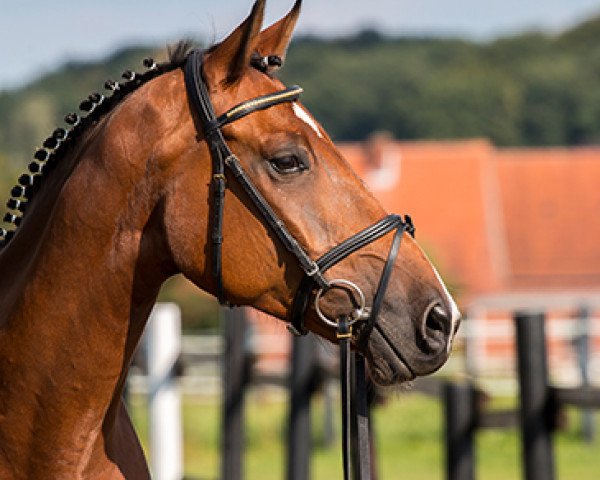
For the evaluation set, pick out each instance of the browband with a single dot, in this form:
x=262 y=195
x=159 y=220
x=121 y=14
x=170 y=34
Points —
x=250 y=106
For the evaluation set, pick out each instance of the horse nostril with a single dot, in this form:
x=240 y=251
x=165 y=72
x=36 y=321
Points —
x=434 y=330
x=437 y=320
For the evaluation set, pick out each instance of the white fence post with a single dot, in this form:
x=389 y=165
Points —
x=163 y=345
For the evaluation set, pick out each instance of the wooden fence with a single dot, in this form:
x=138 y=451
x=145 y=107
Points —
x=537 y=417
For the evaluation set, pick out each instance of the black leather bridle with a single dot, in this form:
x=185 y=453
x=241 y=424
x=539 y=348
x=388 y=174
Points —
x=314 y=271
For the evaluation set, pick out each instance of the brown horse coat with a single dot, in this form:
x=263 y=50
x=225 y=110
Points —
x=126 y=208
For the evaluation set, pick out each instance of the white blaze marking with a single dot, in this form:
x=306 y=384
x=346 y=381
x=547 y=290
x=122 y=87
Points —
x=455 y=312
x=306 y=118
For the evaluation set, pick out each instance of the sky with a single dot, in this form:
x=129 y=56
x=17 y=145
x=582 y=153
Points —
x=38 y=36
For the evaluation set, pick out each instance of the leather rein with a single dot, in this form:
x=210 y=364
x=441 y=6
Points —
x=223 y=158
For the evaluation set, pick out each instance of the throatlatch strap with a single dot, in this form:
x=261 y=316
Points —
x=199 y=97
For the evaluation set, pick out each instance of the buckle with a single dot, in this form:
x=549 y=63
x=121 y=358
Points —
x=314 y=271
x=408 y=225
x=340 y=336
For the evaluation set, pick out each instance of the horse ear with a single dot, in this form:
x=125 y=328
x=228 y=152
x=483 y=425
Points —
x=275 y=40
x=233 y=54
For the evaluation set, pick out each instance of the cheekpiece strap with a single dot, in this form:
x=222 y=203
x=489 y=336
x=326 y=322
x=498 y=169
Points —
x=223 y=157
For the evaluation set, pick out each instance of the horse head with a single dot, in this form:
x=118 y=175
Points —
x=130 y=194
x=289 y=158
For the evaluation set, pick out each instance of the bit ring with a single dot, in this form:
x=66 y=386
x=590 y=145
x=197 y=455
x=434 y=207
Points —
x=359 y=313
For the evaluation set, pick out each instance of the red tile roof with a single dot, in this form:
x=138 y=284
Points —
x=493 y=219
x=551 y=200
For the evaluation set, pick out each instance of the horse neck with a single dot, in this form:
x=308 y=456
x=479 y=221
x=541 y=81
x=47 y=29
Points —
x=80 y=277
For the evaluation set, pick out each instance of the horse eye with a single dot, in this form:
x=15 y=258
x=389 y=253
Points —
x=287 y=164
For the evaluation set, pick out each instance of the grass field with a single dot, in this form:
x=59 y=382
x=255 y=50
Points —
x=408 y=435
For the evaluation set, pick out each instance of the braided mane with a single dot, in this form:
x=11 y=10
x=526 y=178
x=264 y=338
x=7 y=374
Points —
x=62 y=140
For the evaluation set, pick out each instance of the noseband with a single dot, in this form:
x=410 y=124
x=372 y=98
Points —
x=314 y=271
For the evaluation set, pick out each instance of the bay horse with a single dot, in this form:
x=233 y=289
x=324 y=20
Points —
x=121 y=200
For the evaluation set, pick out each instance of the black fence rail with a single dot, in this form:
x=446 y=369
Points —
x=537 y=417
